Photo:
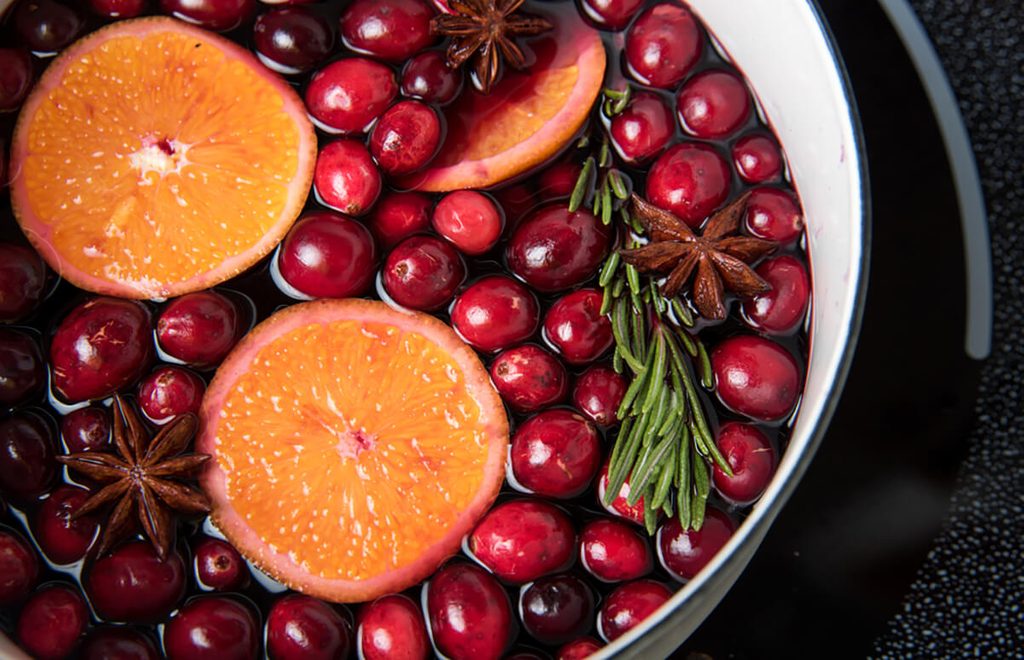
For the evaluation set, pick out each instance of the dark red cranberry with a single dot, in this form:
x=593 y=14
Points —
x=576 y=327
x=303 y=627
x=406 y=138
x=399 y=215
x=346 y=178
x=554 y=249
x=526 y=654
x=118 y=643
x=348 y=95
x=169 y=392
x=428 y=77
x=327 y=255
x=579 y=649
x=86 y=429
x=627 y=606
x=22 y=373
x=494 y=313
x=62 y=539
x=774 y=214
x=529 y=378
x=470 y=220
x=556 y=453
x=217 y=15
x=757 y=159
x=392 y=628
x=389 y=29
x=613 y=551
x=15 y=78
x=559 y=180
x=516 y=200
x=751 y=457
x=199 y=329
x=19 y=568
x=100 y=347
x=118 y=8
x=690 y=180
x=47 y=26
x=133 y=584
x=756 y=377
x=219 y=566
x=522 y=540
x=557 y=609
x=598 y=393
x=468 y=612
x=643 y=129
x=685 y=553
x=51 y=622
x=663 y=45
x=214 y=628
x=620 y=506
x=781 y=310
x=22 y=278
x=293 y=39
x=613 y=14
x=27 y=466
x=423 y=272
x=713 y=104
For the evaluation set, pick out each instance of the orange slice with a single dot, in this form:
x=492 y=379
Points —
x=354 y=446
x=154 y=158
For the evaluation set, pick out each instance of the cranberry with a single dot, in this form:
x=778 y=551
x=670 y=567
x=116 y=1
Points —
x=690 y=180
x=774 y=214
x=428 y=77
x=100 y=347
x=685 y=553
x=713 y=104
x=399 y=215
x=556 y=609
x=522 y=540
x=494 y=313
x=169 y=392
x=346 y=179
x=613 y=14
x=47 y=26
x=292 y=40
x=757 y=159
x=217 y=15
x=389 y=29
x=118 y=643
x=556 y=453
x=21 y=367
x=303 y=627
x=598 y=393
x=406 y=138
x=613 y=551
x=199 y=329
x=62 y=539
x=516 y=200
x=663 y=45
x=212 y=627
x=470 y=220
x=27 y=447
x=643 y=129
x=423 y=272
x=86 y=429
x=629 y=605
x=559 y=180
x=19 y=568
x=576 y=327
x=526 y=654
x=219 y=566
x=469 y=613
x=582 y=648
x=554 y=249
x=529 y=378
x=756 y=377
x=327 y=255
x=15 y=78
x=133 y=584
x=22 y=278
x=118 y=8
x=51 y=622
x=620 y=506
x=346 y=96
x=392 y=628
x=750 y=456
x=781 y=310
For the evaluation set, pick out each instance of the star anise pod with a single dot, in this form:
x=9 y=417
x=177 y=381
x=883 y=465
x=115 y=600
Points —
x=719 y=258
x=144 y=478
x=487 y=28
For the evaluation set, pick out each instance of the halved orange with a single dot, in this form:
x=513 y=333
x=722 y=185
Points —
x=353 y=447
x=154 y=158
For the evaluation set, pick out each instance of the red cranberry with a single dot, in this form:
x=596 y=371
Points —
x=613 y=551
x=663 y=45
x=212 y=627
x=713 y=104
x=348 y=95
x=118 y=643
x=19 y=568
x=557 y=609
x=219 y=566
x=756 y=377
x=303 y=627
x=21 y=367
x=690 y=180
x=579 y=649
x=27 y=447
x=627 y=606
x=389 y=29
x=469 y=613
x=685 y=553
x=62 y=539
x=169 y=392
x=576 y=327
x=15 y=78
x=757 y=159
x=86 y=429
x=598 y=393
x=292 y=40
x=327 y=255
x=133 y=584
x=559 y=180
x=516 y=200
x=526 y=654
x=522 y=540
x=423 y=272
x=613 y=14
x=781 y=310
x=392 y=628
x=774 y=214
x=47 y=26
x=643 y=129
x=554 y=249
x=100 y=347
x=556 y=453
x=51 y=622
x=428 y=77
x=494 y=313
x=399 y=215
x=470 y=220
x=217 y=15
x=406 y=138
x=118 y=8
x=199 y=329
x=22 y=278
x=529 y=378
x=752 y=458
x=620 y=506
x=346 y=179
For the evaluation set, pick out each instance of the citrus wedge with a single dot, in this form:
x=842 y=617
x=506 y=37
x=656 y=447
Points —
x=154 y=158
x=353 y=447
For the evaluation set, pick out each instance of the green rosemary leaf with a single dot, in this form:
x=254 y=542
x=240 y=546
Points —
x=620 y=105
x=656 y=380
x=606 y=203
x=606 y=301
x=650 y=520
x=618 y=287
x=620 y=330
x=684 y=485
x=707 y=377
x=702 y=488
x=584 y=141
x=660 y=412
x=596 y=210
x=682 y=312
x=659 y=302
x=638 y=331
x=613 y=93
x=667 y=507
x=610 y=268
x=580 y=190
x=673 y=413
x=633 y=277
x=624 y=430
x=618 y=185
x=627 y=459
x=664 y=482
x=649 y=469
x=688 y=343
x=608 y=108
x=604 y=156
x=617 y=361
x=631 y=392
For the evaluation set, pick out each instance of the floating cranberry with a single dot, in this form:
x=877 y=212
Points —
x=685 y=553
x=713 y=104
x=559 y=180
x=19 y=568
x=663 y=45
x=494 y=313
x=118 y=643
x=643 y=129
x=598 y=393
x=423 y=272
x=22 y=278
x=526 y=654
x=15 y=79
x=613 y=551
x=756 y=377
x=133 y=584
x=346 y=178
x=774 y=214
x=62 y=539
x=212 y=627
x=751 y=457
x=522 y=540
x=470 y=220
x=757 y=159
x=217 y=15
x=554 y=249
x=219 y=566
x=627 y=606
x=557 y=609
x=199 y=329
x=86 y=429
x=579 y=649
x=292 y=40
x=327 y=255
x=576 y=327
x=469 y=613
x=556 y=453
x=389 y=29
x=612 y=14
x=47 y=26
x=620 y=506
x=118 y=8
x=392 y=628
x=303 y=627
x=406 y=138
x=529 y=378
x=399 y=215
x=51 y=622
x=22 y=373
x=516 y=200
x=690 y=180
x=346 y=96
x=428 y=77
x=169 y=392
x=781 y=310
x=27 y=467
